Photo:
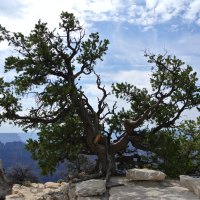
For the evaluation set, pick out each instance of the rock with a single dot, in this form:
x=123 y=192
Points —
x=96 y=190
x=64 y=188
x=16 y=188
x=14 y=197
x=38 y=185
x=38 y=191
x=144 y=174
x=151 y=190
x=89 y=198
x=193 y=184
x=186 y=181
x=91 y=187
x=71 y=192
x=25 y=192
x=51 y=185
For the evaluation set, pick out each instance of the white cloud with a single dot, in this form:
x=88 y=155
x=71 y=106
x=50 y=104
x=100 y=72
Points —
x=101 y=6
x=11 y=9
x=141 y=79
x=193 y=11
x=151 y=4
x=148 y=13
x=186 y=47
x=126 y=48
x=155 y=11
x=135 y=77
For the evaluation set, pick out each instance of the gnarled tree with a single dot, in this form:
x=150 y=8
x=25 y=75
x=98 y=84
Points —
x=48 y=67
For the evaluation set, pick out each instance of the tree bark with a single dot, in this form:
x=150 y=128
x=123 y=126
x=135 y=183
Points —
x=107 y=163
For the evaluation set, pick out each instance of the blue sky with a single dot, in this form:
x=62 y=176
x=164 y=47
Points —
x=132 y=26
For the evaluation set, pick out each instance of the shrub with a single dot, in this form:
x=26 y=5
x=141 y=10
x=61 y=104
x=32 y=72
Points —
x=20 y=174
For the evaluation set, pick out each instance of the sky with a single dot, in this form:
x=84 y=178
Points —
x=132 y=26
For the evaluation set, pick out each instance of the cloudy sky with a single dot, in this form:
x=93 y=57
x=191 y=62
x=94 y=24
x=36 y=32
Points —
x=132 y=26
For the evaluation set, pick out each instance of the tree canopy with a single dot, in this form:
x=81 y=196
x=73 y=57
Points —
x=48 y=66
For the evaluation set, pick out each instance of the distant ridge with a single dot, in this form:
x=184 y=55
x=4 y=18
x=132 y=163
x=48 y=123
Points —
x=9 y=137
x=17 y=137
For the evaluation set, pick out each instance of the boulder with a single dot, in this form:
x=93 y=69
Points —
x=192 y=183
x=91 y=187
x=144 y=174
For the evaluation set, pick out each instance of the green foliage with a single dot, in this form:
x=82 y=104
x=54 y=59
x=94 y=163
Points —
x=80 y=164
x=168 y=146
x=56 y=143
x=176 y=151
x=45 y=65
x=174 y=89
x=48 y=66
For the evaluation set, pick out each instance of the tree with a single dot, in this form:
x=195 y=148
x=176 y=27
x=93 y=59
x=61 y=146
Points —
x=82 y=165
x=49 y=66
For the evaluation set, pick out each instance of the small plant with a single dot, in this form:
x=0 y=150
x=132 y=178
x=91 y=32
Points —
x=60 y=181
x=27 y=183
x=20 y=174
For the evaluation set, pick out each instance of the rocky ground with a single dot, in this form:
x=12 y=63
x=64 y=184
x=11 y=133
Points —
x=138 y=184
x=153 y=186
x=151 y=190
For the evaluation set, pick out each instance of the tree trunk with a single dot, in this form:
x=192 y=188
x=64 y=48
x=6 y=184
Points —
x=107 y=162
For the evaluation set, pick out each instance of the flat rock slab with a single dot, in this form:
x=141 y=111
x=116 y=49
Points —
x=192 y=183
x=144 y=174
x=151 y=190
x=91 y=187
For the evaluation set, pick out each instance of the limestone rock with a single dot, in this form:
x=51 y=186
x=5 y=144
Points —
x=38 y=185
x=52 y=185
x=144 y=174
x=151 y=190
x=186 y=181
x=16 y=188
x=38 y=191
x=14 y=197
x=64 y=187
x=91 y=187
x=71 y=192
x=96 y=190
x=89 y=198
x=193 y=184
